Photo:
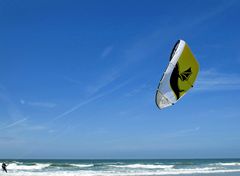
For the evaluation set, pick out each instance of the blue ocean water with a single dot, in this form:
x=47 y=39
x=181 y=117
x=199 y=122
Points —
x=186 y=167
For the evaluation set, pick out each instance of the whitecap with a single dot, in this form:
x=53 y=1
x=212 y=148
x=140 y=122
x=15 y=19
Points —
x=37 y=166
x=229 y=164
x=82 y=165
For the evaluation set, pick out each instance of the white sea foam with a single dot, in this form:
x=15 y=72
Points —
x=229 y=164
x=38 y=166
x=144 y=166
x=111 y=173
x=17 y=162
x=82 y=165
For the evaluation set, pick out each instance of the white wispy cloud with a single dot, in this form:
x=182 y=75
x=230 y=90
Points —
x=71 y=80
x=137 y=90
x=76 y=107
x=51 y=131
x=91 y=99
x=13 y=112
x=106 y=51
x=211 y=79
x=18 y=122
x=36 y=127
x=181 y=133
x=142 y=48
x=38 y=104
x=206 y=16
x=42 y=104
x=103 y=81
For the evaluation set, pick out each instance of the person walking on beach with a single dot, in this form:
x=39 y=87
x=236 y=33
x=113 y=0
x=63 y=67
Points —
x=4 y=167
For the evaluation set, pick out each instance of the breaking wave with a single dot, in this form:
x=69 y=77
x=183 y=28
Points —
x=20 y=166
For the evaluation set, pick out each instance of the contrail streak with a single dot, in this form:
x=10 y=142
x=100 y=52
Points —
x=76 y=107
x=14 y=124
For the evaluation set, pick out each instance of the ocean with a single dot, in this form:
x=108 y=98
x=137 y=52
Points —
x=186 y=167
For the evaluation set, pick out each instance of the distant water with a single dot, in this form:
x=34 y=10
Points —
x=219 y=167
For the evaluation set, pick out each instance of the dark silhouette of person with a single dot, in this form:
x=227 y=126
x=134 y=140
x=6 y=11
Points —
x=4 y=167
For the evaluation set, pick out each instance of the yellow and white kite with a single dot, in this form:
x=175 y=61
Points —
x=179 y=76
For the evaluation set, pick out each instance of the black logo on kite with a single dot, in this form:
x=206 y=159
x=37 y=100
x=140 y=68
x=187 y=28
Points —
x=184 y=76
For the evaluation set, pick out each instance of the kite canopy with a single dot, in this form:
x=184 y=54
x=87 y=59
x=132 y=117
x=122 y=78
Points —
x=179 y=76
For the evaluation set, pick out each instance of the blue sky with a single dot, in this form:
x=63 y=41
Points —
x=78 y=79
